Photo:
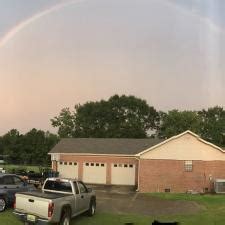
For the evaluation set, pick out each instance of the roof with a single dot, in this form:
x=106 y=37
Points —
x=177 y=136
x=116 y=146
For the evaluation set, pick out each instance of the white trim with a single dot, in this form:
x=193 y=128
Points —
x=177 y=136
x=91 y=154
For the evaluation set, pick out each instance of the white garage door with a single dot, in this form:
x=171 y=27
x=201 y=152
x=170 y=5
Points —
x=123 y=174
x=94 y=173
x=68 y=169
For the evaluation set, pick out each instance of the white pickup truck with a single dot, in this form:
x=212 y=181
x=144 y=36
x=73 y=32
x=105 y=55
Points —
x=58 y=202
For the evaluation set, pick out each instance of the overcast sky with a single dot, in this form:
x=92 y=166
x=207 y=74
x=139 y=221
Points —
x=56 y=54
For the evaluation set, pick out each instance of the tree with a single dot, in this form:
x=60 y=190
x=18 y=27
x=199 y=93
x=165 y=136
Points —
x=65 y=123
x=119 y=117
x=175 y=122
x=213 y=125
x=30 y=148
x=12 y=145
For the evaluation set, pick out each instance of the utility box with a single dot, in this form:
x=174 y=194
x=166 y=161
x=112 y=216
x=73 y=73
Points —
x=219 y=186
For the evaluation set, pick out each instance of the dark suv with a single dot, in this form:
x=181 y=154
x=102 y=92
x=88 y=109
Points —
x=10 y=184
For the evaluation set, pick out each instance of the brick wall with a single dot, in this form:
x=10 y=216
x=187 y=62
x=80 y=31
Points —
x=101 y=159
x=157 y=175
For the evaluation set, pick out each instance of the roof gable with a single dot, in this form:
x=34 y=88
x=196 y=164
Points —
x=186 y=145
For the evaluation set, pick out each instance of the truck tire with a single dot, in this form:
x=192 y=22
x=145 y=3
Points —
x=27 y=223
x=2 y=204
x=65 y=218
x=92 y=207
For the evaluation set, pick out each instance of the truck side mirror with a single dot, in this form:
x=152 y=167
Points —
x=89 y=190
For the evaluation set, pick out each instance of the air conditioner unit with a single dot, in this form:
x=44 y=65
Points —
x=219 y=185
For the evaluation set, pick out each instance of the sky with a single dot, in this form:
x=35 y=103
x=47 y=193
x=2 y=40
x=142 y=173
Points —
x=58 y=53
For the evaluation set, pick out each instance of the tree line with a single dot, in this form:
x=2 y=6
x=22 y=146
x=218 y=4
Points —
x=132 y=117
x=31 y=148
x=118 y=117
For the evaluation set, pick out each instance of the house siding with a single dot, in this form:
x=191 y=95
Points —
x=158 y=175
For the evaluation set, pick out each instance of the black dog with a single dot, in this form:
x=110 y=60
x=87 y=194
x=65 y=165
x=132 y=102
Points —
x=155 y=222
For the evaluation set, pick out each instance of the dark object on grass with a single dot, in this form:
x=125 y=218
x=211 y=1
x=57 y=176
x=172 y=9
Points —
x=129 y=224
x=156 y=222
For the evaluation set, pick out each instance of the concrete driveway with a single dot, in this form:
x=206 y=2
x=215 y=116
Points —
x=123 y=200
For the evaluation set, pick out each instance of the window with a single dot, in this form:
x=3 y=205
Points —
x=188 y=166
x=70 y=163
x=60 y=163
x=86 y=164
x=65 y=163
x=120 y=165
x=125 y=165
x=75 y=164
x=58 y=186
x=92 y=164
x=76 y=187
x=18 y=181
x=82 y=188
x=130 y=165
x=8 y=180
x=102 y=165
x=97 y=164
x=115 y=165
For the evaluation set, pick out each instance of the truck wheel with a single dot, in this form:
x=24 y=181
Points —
x=2 y=204
x=92 y=208
x=65 y=219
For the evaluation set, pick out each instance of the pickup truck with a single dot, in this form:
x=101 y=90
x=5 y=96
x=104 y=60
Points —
x=59 y=201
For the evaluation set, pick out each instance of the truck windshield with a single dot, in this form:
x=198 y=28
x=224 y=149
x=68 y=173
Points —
x=58 y=186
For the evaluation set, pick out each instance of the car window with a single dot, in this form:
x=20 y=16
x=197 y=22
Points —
x=8 y=180
x=1 y=181
x=58 y=186
x=76 y=187
x=17 y=181
x=82 y=188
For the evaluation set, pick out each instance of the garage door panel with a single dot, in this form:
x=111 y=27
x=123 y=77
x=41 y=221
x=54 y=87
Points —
x=94 y=173
x=68 y=169
x=123 y=174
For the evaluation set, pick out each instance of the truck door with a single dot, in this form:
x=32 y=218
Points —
x=9 y=187
x=84 y=198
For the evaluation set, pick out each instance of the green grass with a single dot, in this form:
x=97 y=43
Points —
x=212 y=213
x=9 y=167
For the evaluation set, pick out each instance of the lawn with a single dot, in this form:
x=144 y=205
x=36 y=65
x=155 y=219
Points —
x=9 y=167
x=213 y=213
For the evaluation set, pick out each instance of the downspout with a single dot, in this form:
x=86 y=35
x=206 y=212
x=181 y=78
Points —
x=139 y=163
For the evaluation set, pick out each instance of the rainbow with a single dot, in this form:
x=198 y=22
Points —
x=10 y=34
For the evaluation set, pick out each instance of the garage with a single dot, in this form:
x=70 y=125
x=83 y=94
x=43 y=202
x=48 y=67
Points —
x=122 y=174
x=68 y=169
x=94 y=173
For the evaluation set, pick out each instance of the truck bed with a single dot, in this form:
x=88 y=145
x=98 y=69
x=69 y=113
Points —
x=46 y=195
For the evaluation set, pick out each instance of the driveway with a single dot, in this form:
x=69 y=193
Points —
x=120 y=200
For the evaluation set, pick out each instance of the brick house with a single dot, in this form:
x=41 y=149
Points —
x=179 y=164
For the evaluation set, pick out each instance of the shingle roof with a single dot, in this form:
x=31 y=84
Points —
x=104 y=145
